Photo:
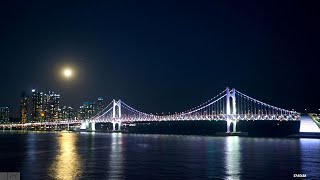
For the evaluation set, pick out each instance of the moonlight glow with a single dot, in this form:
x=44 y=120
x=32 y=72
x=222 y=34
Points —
x=67 y=72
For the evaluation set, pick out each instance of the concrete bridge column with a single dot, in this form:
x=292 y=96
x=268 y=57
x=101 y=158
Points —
x=93 y=126
x=235 y=126
x=228 y=126
x=231 y=115
x=114 y=126
x=84 y=125
x=119 y=126
x=116 y=116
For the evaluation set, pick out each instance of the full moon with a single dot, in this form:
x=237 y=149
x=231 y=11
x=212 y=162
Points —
x=67 y=72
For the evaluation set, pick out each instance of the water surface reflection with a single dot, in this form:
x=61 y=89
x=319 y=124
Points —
x=116 y=157
x=130 y=156
x=310 y=165
x=67 y=164
x=232 y=157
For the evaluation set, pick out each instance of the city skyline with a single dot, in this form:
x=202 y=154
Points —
x=155 y=52
x=45 y=106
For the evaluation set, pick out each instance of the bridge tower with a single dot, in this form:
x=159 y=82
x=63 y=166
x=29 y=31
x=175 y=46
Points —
x=231 y=116
x=116 y=115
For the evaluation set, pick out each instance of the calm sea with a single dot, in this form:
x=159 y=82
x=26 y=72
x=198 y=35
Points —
x=48 y=155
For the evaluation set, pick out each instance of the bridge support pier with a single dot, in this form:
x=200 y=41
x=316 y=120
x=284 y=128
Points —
x=228 y=126
x=119 y=126
x=83 y=126
x=87 y=126
x=114 y=126
x=234 y=126
x=93 y=126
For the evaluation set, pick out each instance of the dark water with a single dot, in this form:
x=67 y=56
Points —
x=133 y=156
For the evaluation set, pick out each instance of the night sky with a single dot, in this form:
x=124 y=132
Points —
x=161 y=56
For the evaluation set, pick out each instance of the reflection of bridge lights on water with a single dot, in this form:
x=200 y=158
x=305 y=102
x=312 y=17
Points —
x=232 y=157
x=67 y=164
x=116 y=157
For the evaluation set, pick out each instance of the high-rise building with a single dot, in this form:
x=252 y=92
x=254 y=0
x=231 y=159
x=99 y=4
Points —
x=67 y=113
x=4 y=115
x=37 y=106
x=71 y=113
x=87 y=110
x=47 y=106
x=81 y=113
x=63 y=113
x=99 y=104
x=24 y=104
x=53 y=105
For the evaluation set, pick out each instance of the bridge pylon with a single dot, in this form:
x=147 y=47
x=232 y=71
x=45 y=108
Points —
x=116 y=115
x=231 y=116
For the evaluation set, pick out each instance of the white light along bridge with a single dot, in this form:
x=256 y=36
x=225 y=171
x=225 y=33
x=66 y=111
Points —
x=230 y=105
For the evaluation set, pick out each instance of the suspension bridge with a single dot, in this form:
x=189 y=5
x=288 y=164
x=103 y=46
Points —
x=230 y=105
